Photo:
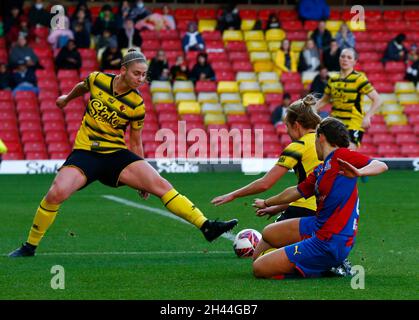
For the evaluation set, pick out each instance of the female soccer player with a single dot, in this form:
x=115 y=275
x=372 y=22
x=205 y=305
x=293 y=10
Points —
x=346 y=90
x=100 y=153
x=313 y=245
x=301 y=121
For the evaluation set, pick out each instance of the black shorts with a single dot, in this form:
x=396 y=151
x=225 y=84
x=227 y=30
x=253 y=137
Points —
x=355 y=136
x=295 y=212
x=105 y=167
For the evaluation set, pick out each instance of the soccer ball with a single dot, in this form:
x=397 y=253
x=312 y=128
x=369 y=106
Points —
x=245 y=242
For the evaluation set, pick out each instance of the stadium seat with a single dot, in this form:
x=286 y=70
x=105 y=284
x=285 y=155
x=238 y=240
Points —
x=275 y=35
x=249 y=86
x=391 y=109
x=399 y=129
x=211 y=108
x=190 y=107
x=257 y=46
x=388 y=150
x=404 y=87
x=263 y=66
x=162 y=97
x=253 y=98
x=407 y=138
x=205 y=86
x=160 y=86
x=245 y=76
x=234 y=108
x=230 y=98
x=211 y=97
x=183 y=86
x=232 y=35
x=409 y=150
x=185 y=96
x=227 y=86
x=254 y=35
x=271 y=87
x=247 y=24
x=222 y=75
x=207 y=25
x=268 y=77
x=232 y=46
x=395 y=119
x=242 y=66
x=211 y=118
x=408 y=98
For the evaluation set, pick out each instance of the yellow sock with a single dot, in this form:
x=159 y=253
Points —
x=44 y=217
x=183 y=207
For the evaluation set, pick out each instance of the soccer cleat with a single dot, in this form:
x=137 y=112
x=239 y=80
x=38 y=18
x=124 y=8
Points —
x=342 y=270
x=212 y=229
x=26 y=250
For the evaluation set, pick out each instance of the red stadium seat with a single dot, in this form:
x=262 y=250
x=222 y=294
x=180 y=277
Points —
x=401 y=129
x=410 y=150
x=260 y=118
x=368 y=149
x=56 y=136
x=218 y=56
x=297 y=35
x=206 y=13
x=206 y=86
x=236 y=46
x=58 y=147
x=290 y=77
x=211 y=35
x=414 y=118
x=214 y=46
x=384 y=87
x=184 y=14
x=34 y=146
x=244 y=66
x=36 y=155
x=169 y=35
x=225 y=76
x=411 y=15
x=389 y=150
x=392 y=15
x=266 y=127
x=380 y=138
x=6 y=95
x=407 y=138
x=287 y=15
x=237 y=118
x=311 y=25
x=58 y=125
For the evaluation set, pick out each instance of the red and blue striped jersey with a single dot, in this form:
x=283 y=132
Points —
x=336 y=195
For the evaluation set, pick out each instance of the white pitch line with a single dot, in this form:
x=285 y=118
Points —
x=122 y=253
x=164 y=213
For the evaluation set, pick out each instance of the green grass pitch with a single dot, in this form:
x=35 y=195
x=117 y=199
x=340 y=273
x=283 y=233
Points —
x=113 y=251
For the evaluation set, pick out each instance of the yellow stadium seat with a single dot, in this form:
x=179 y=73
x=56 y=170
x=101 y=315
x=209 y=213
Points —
x=245 y=76
x=162 y=97
x=356 y=25
x=254 y=35
x=234 y=108
x=256 y=46
x=232 y=35
x=247 y=24
x=417 y=87
x=408 y=98
x=253 y=98
x=260 y=56
x=211 y=97
x=210 y=118
x=207 y=25
x=275 y=35
x=395 y=119
x=183 y=86
x=297 y=45
x=274 y=46
x=209 y=107
x=387 y=98
x=249 y=86
x=404 y=87
x=272 y=87
x=227 y=86
x=333 y=25
x=391 y=109
x=160 y=86
x=230 y=98
x=190 y=107
x=263 y=66
x=184 y=96
x=268 y=77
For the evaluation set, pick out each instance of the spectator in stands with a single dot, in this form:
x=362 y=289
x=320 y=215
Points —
x=412 y=71
x=154 y=21
x=139 y=11
x=105 y=20
x=81 y=17
x=112 y=57
x=159 y=67
x=170 y=19
x=38 y=15
x=320 y=82
x=180 y=70
x=285 y=59
x=321 y=36
x=313 y=10
x=192 y=40
x=331 y=56
x=82 y=6
x=59 y=36
x=278 y=114
x=22 y=52
x=81 y=36
x=68 y=57
x=396 y=51
x=128 y=36
x=309 y=57
x=273 y=22
x=229 y=19
x=103 y=40
x=11 y=19
x=4 y=77
x=24 y=78
x=344 y=37
x=202 y=70
x=123 y=13
x=413 y=52
x=22 y=28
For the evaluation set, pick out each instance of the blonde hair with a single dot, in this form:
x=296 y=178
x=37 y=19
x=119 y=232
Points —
x=302 y=111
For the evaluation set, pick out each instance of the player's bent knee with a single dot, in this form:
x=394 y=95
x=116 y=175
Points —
x=258 y=269
x=57 y=194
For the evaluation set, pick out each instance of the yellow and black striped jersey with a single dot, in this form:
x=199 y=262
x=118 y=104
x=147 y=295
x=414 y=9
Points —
x=301 y=156
x=108 y=115
x=346 y=95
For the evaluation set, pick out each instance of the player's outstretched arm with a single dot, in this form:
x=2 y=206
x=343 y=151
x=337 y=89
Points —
x=257 y=186
x=78 y=90
x=287 y=196
x=375 y=167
